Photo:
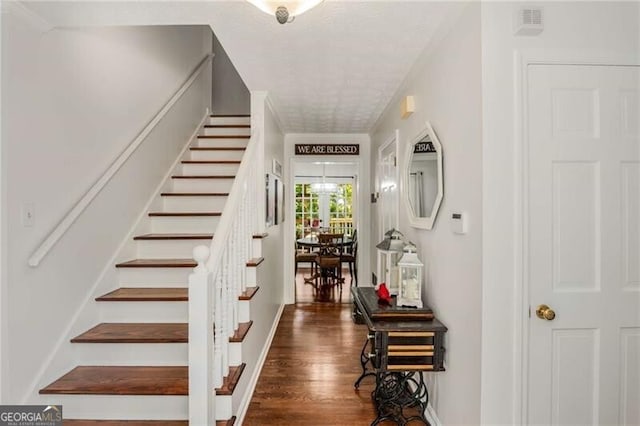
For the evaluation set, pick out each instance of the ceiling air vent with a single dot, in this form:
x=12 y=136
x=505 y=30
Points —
x=529 y=21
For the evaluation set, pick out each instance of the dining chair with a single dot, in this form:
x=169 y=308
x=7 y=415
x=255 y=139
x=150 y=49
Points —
x=350 y=258
x=305 y=256
x=329 y=261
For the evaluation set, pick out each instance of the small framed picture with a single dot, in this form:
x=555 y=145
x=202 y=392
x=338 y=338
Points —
x=277 y=168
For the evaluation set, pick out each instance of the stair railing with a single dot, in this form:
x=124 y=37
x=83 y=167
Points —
x=215 y=287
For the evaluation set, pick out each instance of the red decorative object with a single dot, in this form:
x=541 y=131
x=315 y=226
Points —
x=383 y=294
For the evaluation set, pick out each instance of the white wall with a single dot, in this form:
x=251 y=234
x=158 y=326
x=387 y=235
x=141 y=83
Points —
x=574 y=31
x=230 y=94
x=73 y=98
x=446 y=83
x=363 y=189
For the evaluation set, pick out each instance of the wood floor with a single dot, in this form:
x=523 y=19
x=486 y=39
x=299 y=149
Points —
x=309 y=373
x=305 y=293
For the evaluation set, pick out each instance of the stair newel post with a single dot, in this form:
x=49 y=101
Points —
x=224 y=314
x=201 y=403
x=218 y=362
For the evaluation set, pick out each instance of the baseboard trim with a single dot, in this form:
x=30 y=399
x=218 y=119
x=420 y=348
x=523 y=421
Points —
x=431 y=416
x=246 y=400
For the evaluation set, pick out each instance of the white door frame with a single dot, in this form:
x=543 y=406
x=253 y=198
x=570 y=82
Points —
x=524 y=58
x=393 y=139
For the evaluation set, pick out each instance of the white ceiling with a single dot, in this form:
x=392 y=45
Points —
x=333 y=70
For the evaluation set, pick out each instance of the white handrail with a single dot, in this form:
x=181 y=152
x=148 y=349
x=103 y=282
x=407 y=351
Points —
x=88 y=197
x=224 y=227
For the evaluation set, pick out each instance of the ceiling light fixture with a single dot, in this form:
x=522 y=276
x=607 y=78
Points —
x=285 y=10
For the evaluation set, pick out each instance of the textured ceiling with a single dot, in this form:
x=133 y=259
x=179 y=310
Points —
x=333 y=70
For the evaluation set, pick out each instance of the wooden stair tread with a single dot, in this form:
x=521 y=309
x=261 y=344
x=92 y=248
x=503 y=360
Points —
x=135 y=333
x=194 y=194
x=126 y=332
x=227 y=126
x=241 y=332
x=122 y=380
x=183 y=214
x=223 y=136
x=231 y=381
x=144 y=294
x=133 y=380
x=249 y=293
x=173 y=237
x=255 y=261
x=229 y=115
x=260 y=236
x=203 y=177
x=218 y=148
x=81 y=422
x=84 y=422
x=211 y=162
x=158 y=263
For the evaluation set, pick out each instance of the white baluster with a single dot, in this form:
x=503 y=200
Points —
x=218 y=363
x=224 y=335
x=201 y=403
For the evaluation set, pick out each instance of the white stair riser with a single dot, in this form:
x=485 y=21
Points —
x=154 y=277
x=226 y=131
x=215 y=155
x=168 y=249
x=224 y=407
x=222 y=142
x=235 y=353
x=229 y=120
x=210 y=169
x=143 y=311
x=251 y=276
x=179 y=224
x=244 y=311
x=194 y=204
x=133 y=354
x=256 y=248
x=202 y=185
x=132 y=407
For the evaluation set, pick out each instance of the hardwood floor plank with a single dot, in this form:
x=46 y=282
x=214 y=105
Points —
x=308 y=375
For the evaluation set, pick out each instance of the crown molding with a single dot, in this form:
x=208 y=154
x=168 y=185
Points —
x=19 y=10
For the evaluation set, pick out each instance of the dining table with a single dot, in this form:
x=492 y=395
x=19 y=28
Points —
x=312 y=242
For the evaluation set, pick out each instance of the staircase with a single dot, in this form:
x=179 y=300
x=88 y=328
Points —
x=132 y=368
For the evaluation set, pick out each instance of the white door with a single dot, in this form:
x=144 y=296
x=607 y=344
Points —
x=583 y=237
x=387 y=165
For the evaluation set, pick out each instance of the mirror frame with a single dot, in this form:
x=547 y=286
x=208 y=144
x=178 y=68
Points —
x=416 y=221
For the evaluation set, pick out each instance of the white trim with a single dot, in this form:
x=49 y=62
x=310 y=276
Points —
x=394 y=139
x=523 y=58
x=91 y=294
x=431 y=416
x=95 y=189
x=251 y=387
x=274 y=112
x=16 y=8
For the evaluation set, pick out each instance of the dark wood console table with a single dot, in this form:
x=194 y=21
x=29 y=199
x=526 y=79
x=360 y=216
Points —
x=401 y=344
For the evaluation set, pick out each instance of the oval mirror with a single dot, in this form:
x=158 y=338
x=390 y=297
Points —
x=424 y=187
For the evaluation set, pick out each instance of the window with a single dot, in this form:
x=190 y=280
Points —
x=332 y=211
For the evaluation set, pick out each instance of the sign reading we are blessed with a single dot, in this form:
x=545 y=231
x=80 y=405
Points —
x=327 y=149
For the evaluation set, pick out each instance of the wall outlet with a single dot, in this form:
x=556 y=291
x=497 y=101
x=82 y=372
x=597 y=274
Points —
x=28 y=214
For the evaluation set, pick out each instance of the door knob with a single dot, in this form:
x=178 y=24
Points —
x=546 y=313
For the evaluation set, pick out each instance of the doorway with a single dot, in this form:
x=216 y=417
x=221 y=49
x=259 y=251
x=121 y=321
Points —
x=325 y=201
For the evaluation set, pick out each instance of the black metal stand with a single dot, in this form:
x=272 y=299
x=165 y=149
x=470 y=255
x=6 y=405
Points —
x=401 y=397
x=364 y=360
